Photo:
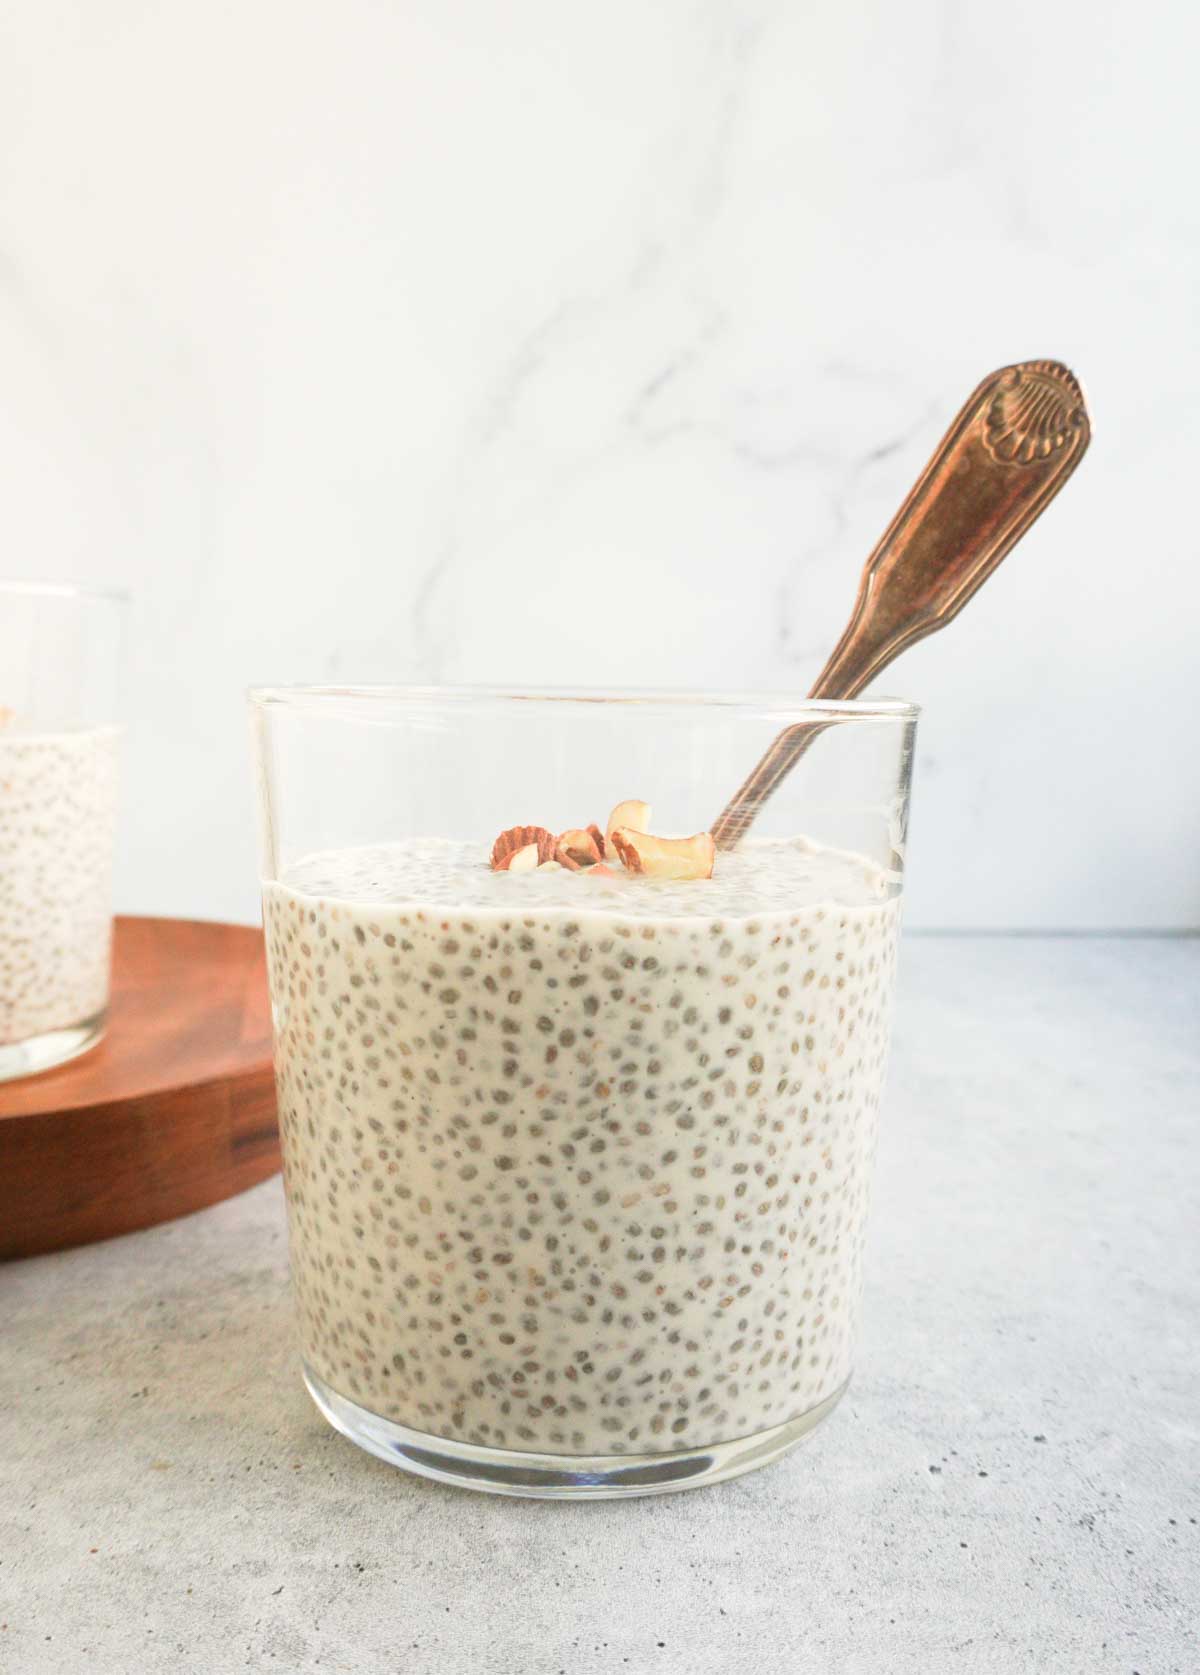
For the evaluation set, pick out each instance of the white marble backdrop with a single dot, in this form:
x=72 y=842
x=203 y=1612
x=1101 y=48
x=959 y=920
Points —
x=549 y=343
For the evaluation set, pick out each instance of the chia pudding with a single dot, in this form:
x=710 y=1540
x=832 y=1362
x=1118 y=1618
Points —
x=57 y=819
x=580 y=1165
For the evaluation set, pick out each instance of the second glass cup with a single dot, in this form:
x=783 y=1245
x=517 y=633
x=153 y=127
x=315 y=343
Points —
x=577 y=1162
x=59 y=659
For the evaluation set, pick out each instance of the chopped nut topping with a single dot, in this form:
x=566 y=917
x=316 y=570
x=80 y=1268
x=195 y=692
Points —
x=633 y=815
x=657 y=857
x=585 y=848
x=578 y=848
x=522 y=860
x=516 y=838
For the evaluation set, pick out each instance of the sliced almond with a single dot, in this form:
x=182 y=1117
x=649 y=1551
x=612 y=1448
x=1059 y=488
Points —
x=548 y=866
x=601 y=871
x=578 y=848
x=517 y=838
x=521 y=860
x=658 y=857
x=633 y=816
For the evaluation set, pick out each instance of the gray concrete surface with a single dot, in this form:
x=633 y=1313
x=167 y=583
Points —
x=1012 y=1484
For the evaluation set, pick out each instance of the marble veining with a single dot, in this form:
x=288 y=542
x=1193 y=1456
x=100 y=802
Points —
x=579 y=347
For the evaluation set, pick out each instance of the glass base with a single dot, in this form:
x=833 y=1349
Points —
x=501 y=1471
x=46 y=1052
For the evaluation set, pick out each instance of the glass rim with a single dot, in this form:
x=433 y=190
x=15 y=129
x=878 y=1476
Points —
x=64 y=590
x=328 y=698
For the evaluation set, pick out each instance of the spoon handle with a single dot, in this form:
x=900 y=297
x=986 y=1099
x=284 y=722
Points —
x=1011 y=448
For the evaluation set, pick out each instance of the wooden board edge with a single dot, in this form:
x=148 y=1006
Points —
x=75 y=1177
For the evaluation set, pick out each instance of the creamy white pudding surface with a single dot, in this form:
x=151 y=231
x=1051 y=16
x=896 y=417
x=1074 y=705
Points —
x=580 y=1165
x=58 y=794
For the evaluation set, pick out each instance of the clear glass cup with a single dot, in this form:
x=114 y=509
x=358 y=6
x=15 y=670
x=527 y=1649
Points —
x=59 y=665
x=577 y=1163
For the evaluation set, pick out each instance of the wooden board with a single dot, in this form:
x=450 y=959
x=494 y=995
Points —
x=175 y=1109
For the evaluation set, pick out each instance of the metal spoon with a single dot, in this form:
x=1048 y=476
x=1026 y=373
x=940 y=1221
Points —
x=1005 y=457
